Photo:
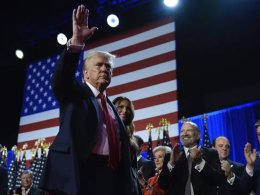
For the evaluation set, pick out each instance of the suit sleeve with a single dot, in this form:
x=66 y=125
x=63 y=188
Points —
x=63 y=80
x=212 y=172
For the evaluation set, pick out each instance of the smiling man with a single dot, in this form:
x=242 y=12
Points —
x=197 y=170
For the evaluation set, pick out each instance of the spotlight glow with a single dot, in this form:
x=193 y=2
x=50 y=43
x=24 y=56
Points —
x=19 y=54
x=171 y=3
x=62 y=39
x=112 y=20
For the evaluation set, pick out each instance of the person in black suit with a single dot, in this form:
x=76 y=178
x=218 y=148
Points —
x=125 y=109
x=195 y=170
x=27 y=187
x=233 y=170
x=3 y=180
x=91 y=152
x=146 y=166
x=250 y=179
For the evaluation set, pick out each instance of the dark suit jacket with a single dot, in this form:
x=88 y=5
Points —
x=234 y=189
x=77 y=135
x=148 y=167
x=204 y=182
x=252 y=183
x=33 y=191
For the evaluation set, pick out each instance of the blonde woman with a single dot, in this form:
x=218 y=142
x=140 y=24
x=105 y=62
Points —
x=151 y=187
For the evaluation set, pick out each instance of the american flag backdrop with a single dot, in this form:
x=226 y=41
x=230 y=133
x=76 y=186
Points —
x=145 y=72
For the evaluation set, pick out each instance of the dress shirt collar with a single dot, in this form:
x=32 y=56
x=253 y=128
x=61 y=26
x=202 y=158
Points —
x=186 y=150
x=94 y=90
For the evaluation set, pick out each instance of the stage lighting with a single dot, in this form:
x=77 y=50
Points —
x=170 y=3
x=112 y=20
x=62 y=39
x=19 y=54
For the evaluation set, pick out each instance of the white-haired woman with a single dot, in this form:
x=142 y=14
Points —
x=151 y=186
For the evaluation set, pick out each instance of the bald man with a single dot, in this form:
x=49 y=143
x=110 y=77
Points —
x=232 y=169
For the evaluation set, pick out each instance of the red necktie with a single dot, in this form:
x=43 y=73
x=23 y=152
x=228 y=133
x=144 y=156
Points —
x=113 y=141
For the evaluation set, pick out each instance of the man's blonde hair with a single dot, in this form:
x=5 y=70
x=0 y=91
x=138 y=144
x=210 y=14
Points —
x=111 y=57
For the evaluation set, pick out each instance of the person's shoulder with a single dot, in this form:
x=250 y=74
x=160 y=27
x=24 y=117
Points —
x=36 y=189
x=209 y=153
x=208 y=150
x=145 y=160
x=238 y=164
x=150 y=162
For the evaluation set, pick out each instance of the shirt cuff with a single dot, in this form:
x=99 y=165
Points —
x=231 y=179
x=200 y=166
x=74 y=48
x=250 y=172
x=170 y=167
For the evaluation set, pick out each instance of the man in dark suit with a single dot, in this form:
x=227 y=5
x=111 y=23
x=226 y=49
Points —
x=196 y=171
x=27 y=187
x=90 y=155
x=250 y=179
x=146 y=166
x=232 y=170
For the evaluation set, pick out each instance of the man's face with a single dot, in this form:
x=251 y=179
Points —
x=98 y=72
x=222 y=145
x=258 y=133
x=188 y=135
x=26 y=181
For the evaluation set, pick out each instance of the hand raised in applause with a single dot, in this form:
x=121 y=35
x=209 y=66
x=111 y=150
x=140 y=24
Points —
x=250 y=155
x=226 y=167
x=196 y=154
x=81 y=31
x=175 y=155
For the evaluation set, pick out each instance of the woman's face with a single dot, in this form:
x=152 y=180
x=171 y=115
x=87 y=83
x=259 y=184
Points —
x=158 y=159
x=124 y=111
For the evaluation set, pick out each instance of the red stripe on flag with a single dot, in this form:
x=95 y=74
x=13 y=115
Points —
x=141 y=124
x=31 y=143
x=160 y=78
x=144 y=63
x=39 y=125
x=138 y=30
x=155 y=100
x=145 y=44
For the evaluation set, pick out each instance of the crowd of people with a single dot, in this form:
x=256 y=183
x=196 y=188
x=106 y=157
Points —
x=96 y=151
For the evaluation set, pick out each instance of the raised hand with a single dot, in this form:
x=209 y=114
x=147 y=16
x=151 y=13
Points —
x=81 y=31
x=250 y=155
x=175 y=154
x=226 y=167
x=196 y=154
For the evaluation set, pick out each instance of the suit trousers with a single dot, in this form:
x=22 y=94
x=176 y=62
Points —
x=98 y=178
